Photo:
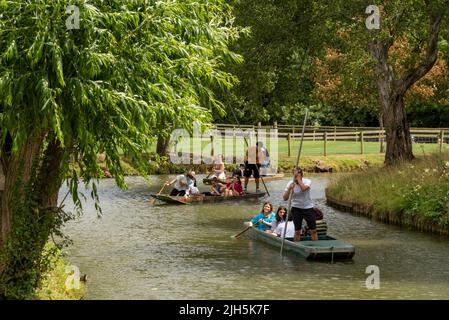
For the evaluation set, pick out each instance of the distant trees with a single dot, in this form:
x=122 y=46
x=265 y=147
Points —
x=321 y=54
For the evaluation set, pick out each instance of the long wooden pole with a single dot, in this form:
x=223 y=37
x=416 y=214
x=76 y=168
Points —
x=241 y=232
x=291 y=191
x=154 y=199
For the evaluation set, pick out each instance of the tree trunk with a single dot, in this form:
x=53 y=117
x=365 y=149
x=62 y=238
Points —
x=16 y=168
x=163 y=145
x=399 y=143
x=392 y=92
x=50 y=179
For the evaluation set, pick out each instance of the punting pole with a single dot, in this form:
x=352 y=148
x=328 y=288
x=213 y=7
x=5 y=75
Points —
x=291 y=192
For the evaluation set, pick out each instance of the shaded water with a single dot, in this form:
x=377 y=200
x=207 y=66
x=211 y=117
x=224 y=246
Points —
x=139 y=251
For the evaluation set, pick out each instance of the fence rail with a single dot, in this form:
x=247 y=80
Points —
x=362 y=135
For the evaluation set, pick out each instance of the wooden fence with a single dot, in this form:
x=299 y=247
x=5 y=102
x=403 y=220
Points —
x=361 y=135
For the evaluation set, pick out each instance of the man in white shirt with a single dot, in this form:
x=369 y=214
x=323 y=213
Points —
x=302 y=204
x=180 y=187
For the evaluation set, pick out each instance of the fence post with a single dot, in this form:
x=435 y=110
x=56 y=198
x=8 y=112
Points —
x=381 y=140
x=314 y=133
x=293 y=130
x=335 y=133
x=275 y=126
x=441 y=140
x=212 y=152
x=356 y=136
x=289 y=144
x=361 y=143
x=325 y=144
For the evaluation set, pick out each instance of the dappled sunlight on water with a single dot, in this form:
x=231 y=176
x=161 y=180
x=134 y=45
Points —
x=139 y=251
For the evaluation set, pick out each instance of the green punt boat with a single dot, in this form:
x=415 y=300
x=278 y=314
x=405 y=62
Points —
x=326 y=247
x=270 y=177
x=203 y=198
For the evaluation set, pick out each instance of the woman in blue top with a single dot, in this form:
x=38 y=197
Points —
x=263 y=220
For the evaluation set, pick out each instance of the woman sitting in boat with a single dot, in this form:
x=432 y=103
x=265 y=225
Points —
x=234 y=188
x=219 y=169
x=191 y=182
x=280 y=216
x=218 y=188
x=263 y=220
x=290 y=233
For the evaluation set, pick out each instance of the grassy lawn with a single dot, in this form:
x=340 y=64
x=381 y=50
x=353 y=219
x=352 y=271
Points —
x=313 y=148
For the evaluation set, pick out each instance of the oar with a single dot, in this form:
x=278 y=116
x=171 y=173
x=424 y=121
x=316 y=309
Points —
x=291 y=191
x=241 y=232
x=154 y=199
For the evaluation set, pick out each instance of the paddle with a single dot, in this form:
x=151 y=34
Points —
x=152 y=202
x=291 y=191
x=241 y=232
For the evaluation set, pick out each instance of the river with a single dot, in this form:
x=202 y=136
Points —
x=138 y=251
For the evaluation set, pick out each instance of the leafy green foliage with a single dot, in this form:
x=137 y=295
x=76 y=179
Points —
x=132 y=70
x=275 y=78
x=107 y=86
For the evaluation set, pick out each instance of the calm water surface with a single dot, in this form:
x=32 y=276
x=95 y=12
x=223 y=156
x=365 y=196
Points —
x=139 y=251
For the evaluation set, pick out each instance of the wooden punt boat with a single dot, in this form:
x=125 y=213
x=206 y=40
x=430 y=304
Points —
x=270 y=177
x=326 y=247
x=204 y=198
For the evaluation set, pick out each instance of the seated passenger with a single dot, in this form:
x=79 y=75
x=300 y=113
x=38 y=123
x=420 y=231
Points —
x=217 y=188
x=263 y=220
x=280 y=216
x=219 y=169
x=191 y=183
x=239 y=171
x=290 y=233
x=234 y=188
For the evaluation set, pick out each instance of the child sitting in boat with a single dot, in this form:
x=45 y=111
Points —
x=234 y=188
x=264 y=219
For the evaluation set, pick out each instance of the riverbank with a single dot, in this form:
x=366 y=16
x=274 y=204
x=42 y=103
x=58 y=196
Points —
x=54 y=286
x=414 y=195
x=337 y=163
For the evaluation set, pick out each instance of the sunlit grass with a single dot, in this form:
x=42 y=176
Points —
x=416 y=193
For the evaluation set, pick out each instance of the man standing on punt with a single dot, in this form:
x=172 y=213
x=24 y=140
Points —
x=302 y=204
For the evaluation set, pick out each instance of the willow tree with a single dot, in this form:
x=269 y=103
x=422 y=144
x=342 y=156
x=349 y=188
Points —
x=74 y=83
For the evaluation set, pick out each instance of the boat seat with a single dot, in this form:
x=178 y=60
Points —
x=321 y=227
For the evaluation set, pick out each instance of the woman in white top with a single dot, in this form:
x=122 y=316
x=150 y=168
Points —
x=219 y=169
x=280 y=216
x=290 y=233
x=302 y=204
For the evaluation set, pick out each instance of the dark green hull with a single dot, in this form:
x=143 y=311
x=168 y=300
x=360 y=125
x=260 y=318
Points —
x=325 y=248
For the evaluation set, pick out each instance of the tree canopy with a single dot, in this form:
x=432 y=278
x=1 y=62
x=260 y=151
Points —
x=103 y=86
